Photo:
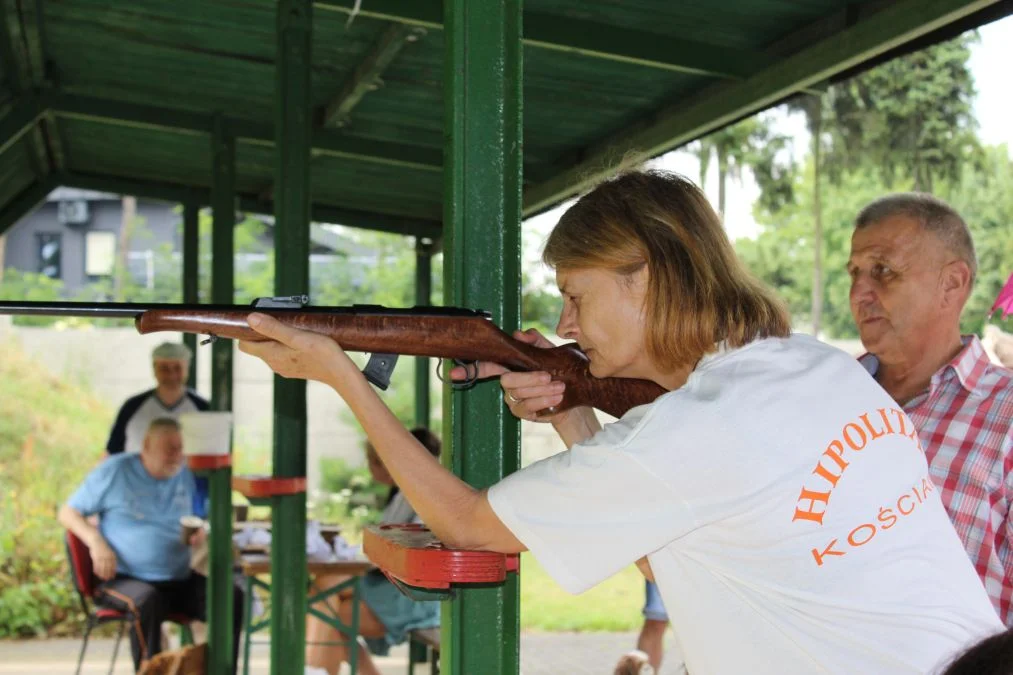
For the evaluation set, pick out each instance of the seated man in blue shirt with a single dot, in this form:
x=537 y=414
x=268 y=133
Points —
x=136 y=550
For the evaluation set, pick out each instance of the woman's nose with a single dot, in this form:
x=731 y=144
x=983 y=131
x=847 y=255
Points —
x=567 y=326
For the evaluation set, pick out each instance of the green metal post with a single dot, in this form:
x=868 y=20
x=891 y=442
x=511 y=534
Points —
x=423 y=296
x=482 y=270
x=191 y=274
x=293 y=124
x=223 y=205
x=220 y=593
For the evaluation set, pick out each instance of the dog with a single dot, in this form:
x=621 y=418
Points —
x=185 y=661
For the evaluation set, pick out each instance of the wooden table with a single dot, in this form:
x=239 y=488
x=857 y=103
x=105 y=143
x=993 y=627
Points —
x=257 y=565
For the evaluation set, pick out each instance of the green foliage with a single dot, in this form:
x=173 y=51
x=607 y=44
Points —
x=750 y=142
x=49 y=432
x=348 y=496
x=912 y=116
x=983 y=195
x=18 y=285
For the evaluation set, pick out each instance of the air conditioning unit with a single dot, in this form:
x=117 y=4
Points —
x=72 y=212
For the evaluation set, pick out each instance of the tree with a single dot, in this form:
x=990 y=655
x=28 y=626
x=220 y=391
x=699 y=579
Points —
x=911 y=117
x=811 y=106
x=983 y=196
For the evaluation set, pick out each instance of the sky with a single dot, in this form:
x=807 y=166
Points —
x=991 y=63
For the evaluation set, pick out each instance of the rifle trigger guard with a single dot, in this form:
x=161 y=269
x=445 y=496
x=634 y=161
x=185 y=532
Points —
x=379 y=369
x=470 y=374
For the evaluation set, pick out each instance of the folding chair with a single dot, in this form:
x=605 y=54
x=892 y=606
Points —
x=86 y=584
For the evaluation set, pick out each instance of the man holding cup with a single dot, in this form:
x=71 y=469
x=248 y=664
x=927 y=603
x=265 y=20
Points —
x=140 y=550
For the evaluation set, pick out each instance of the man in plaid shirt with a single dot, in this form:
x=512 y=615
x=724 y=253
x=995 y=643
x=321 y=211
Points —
x=912 y=267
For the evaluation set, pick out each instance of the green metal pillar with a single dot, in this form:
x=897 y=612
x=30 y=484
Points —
x=191 y=273
x=223 y=205
x=220 y=591
x=482 y=270
x=423 y=296
x=293 y=123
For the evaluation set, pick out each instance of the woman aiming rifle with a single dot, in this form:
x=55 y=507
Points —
x=775 y=493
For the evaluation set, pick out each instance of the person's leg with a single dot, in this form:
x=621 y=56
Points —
x=369 y=626
x=148 y=606
x=652 y=641
x=652 y=633
x=319 y=653
x=189 y=597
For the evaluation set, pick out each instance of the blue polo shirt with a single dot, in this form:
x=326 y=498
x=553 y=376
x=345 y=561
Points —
x=139 y=516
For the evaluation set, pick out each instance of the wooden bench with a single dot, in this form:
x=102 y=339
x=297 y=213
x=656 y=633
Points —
x=424 y=645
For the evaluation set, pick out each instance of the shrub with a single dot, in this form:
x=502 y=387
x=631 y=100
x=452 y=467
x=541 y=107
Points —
x=51 y=434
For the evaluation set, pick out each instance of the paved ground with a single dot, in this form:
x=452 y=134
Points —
x=541 y=654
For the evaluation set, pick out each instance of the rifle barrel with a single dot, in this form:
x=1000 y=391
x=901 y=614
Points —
x=130 y=310
x=115 y=310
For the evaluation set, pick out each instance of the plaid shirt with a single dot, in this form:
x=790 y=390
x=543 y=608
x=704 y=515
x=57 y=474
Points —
x=965 y=421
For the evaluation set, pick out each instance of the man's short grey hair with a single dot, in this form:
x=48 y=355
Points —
x=934 y=215
x=172 y=350
x=163 y=424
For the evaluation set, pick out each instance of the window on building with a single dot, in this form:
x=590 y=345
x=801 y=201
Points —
x=50 y=254
x=99 y=253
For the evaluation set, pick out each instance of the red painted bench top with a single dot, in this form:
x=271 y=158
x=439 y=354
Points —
x=411 y=554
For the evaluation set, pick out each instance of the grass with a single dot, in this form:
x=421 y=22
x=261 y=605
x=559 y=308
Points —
x=613 y=605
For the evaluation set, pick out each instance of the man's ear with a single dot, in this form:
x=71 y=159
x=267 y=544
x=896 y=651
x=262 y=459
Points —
x=955 y=279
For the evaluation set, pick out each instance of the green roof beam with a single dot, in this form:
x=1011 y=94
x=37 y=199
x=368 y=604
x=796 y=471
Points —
x=723 y=104
x=334 y=215
x=594 y=40
x=325 y=143
x=247 y=203
x=367 y=74
x=25 y=203
x=640 y=48
x=19 y=120
x=166 y=192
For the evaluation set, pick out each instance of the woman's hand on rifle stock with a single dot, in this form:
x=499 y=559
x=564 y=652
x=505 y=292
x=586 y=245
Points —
x=525 y=393
x=295 y=353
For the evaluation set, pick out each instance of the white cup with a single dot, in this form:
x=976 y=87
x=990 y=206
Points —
x=206 y=433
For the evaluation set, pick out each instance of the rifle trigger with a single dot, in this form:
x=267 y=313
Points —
x=210 y=339
x=379 y=369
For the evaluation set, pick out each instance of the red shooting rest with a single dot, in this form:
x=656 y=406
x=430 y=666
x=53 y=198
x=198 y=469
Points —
x=208 y=462
x=259 y=487
x=411 y=554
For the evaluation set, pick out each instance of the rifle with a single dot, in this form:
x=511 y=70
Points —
x=463 y=335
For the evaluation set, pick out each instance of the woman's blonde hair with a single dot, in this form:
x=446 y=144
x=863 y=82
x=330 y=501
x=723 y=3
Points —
x=699 y=293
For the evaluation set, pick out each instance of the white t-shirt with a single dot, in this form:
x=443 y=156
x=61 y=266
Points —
x=784 y=503
x=398 y=511
x=138 y=412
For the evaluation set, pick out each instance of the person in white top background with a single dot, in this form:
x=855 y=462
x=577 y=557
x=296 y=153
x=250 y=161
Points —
x=386 y=616
x=776 y=494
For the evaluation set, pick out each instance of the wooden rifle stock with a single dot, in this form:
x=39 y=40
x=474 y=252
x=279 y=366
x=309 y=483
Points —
x=440 y=332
